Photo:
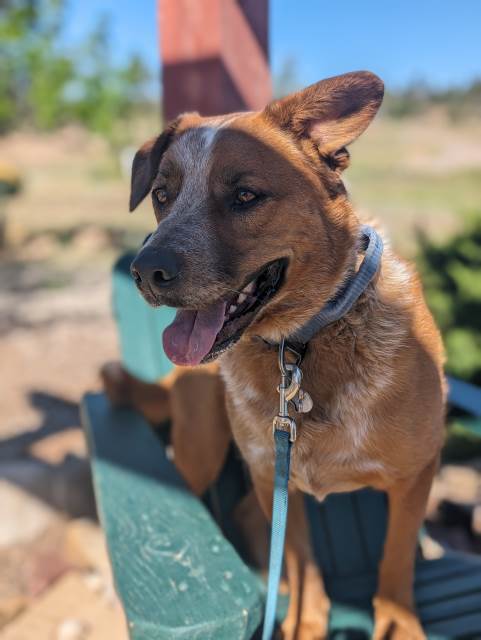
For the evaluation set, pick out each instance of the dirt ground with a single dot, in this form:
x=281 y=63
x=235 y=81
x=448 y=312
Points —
x=63 y=232
x=56 y=330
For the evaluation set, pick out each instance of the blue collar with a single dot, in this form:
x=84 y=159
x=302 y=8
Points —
x=342 y=303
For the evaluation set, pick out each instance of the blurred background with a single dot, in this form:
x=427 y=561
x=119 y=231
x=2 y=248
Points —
x=82 y=85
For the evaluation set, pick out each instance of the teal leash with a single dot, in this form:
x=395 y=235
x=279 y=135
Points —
x=284 y=432
x=284 y=427
x=278 y=532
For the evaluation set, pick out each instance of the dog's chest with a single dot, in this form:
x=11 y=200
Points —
x=321 y=461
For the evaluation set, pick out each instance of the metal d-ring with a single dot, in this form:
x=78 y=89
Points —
x=291 y=374
x=281 y=355
x=295 y=381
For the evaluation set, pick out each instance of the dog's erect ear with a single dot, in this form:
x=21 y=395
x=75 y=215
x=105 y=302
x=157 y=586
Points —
x=332 y=112
x=146 y=164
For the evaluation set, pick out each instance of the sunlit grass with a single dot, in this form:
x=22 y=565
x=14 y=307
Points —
x=413 y=174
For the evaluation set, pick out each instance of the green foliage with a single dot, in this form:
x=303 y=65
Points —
x=44 y=86
x=459 y=103
x=451 y=274
x=463 y=441
x=410 y=102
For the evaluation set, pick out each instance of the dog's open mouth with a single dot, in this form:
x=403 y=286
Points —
x=197 y=337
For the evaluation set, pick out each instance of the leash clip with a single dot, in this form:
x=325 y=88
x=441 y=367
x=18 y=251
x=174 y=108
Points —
x=289 y=390
x=285 y=423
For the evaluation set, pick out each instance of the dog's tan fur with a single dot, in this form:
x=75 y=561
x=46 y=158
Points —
x=375 y=376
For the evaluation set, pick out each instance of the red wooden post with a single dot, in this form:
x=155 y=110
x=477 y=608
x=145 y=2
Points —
x=214 y=55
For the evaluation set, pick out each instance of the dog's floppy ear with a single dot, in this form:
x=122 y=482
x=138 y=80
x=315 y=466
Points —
x=332 y=112
x=146 y=164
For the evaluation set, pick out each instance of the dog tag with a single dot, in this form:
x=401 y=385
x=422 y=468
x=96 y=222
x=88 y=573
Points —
x=303 y=402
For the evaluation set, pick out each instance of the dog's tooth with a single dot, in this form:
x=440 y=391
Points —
x=250 y=287
x=232 y=308
x=242 y=297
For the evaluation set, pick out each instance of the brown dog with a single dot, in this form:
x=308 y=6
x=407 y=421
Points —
x=255 y=234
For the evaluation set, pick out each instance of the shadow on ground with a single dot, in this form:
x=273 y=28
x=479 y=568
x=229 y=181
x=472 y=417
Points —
x=45 y=461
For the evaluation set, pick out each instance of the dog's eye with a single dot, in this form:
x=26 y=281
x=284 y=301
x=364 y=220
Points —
x=161 y=196
x=244 y=196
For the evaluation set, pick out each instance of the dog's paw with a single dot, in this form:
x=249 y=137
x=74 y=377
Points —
x=307 y=631
x=304 y=631
x=116 y=382
x=310 y=627
x=392 y=621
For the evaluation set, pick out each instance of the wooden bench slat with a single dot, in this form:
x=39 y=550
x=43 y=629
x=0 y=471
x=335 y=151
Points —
x=455 y=607
x=450 y=565
x=466 y=626
x=348 y=531
x=140 y=326
x=443 y=590
x=176 y=574
x=178 y=577
x=350 y=554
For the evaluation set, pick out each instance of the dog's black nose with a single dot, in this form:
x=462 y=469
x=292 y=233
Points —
x=155 y=266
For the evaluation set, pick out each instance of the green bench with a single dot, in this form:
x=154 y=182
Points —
x=177 y=568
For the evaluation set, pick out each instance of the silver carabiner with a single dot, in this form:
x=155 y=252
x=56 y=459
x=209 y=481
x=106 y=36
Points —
x=288 y=388
x=295 y=381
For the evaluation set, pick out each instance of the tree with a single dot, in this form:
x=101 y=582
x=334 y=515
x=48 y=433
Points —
x=45 y=86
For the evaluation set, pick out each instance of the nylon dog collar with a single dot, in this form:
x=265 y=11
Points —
x=343 y=302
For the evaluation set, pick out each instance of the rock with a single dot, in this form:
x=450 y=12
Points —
x=28 y=569
x=72 y=629
x=43 y=568
x=94 y=581
x=24 y=517
x=431 y=549
x=69 y=610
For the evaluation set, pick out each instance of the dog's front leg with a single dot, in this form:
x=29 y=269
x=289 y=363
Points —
x=308 y=612
x=395 y=617
x=194 y=401
x=123 y=389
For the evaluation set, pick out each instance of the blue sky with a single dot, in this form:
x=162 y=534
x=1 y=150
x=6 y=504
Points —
x=403 y=41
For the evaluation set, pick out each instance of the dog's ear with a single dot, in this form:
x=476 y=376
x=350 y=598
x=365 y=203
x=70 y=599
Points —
x=332 y=112
x=146 y=164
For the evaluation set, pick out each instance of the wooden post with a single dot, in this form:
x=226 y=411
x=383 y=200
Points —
x=214 y=55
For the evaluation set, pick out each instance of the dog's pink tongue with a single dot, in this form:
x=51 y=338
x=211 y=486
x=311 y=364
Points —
x=192 y=334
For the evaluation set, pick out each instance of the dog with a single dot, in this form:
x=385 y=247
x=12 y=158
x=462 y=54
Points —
x=256 y=233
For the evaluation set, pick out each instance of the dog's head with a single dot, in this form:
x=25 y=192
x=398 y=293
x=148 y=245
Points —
x=255 y=231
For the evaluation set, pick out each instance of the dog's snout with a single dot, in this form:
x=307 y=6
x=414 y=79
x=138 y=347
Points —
x=156 y=267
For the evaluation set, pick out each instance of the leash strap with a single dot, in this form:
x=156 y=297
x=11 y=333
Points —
x=278 y=528
x=285 y=429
